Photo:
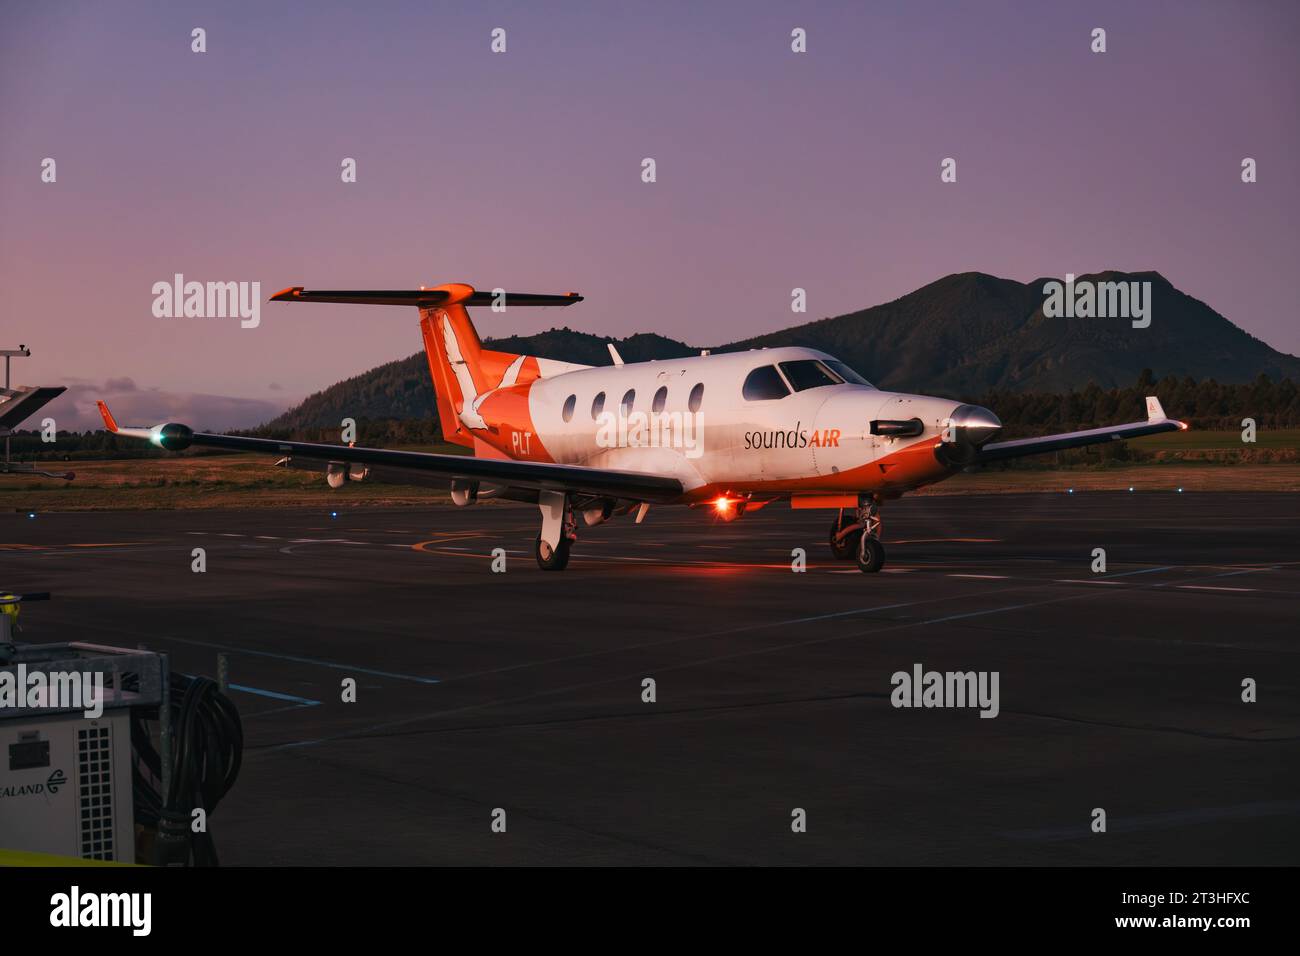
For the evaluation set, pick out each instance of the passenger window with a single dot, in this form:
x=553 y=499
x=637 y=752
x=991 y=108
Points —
x=570 y=404
x=597 y=405
x=661 y=399
x=764 y=384
x=696 y=398
x=808 y=373
x=626 y=405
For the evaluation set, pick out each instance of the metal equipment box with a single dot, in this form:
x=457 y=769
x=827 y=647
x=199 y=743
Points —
x=65 y=778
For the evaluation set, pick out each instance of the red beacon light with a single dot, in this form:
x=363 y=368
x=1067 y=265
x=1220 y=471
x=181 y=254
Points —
x=728 y=509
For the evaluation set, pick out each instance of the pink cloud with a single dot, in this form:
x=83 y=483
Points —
x=132 y=404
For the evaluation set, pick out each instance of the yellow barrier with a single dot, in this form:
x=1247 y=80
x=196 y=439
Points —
x=27 y=858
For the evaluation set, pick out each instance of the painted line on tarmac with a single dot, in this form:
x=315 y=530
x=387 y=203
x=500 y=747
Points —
x=390 y=726
x=275 y=695
x=1161 y=821
x=317 y=662
x=1127 y=574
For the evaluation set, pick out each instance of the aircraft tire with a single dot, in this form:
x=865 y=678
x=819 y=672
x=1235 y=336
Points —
x=871 y=555
x=558 y=559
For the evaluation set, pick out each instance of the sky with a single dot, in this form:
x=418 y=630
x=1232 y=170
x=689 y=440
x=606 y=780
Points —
x=523 y=170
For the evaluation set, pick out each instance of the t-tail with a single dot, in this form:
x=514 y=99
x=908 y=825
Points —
x=463 y=371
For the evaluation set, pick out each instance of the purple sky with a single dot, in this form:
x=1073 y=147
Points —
x=522 y=170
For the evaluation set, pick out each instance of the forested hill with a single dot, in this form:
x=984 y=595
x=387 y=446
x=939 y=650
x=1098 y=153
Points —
x=963 y=336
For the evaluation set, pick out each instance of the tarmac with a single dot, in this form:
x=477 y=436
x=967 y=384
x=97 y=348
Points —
x=520 y=696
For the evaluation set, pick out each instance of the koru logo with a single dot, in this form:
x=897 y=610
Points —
x=56 y=781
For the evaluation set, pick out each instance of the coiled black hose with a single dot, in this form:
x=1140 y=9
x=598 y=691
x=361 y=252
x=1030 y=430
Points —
x=207 y=750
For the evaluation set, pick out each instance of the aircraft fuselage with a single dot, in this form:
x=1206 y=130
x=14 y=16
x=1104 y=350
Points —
x=696 y=419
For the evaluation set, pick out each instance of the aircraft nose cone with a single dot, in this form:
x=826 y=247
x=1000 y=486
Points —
x=977 y=424
x=968 y=428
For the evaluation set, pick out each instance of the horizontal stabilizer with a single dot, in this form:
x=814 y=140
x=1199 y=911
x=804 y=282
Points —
x=422 y=298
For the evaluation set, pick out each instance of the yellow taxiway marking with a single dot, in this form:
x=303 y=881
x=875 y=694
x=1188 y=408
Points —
x=107 y=544
x=426 y=546
x=92 y=544
x=946 y=541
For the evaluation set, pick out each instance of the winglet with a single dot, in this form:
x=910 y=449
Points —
x=1156 y=412
x=284 y=295
x=109 y=422
x=613 y=353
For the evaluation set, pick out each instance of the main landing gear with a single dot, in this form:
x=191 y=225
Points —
x=858 y=535
x=559 y=531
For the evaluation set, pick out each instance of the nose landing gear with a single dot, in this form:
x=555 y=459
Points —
x=845 y=534
x=858 y=535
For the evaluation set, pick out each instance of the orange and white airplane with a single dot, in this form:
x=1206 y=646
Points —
x=732 y=432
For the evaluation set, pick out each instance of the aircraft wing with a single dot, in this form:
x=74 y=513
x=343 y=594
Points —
x=1156 y=422
x=18 y=404
x=422 y=468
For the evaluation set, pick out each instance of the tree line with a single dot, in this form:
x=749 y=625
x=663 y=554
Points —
x=1206 y=405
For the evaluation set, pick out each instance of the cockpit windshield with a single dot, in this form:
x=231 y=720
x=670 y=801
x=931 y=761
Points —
x=846 y=373
x=808 y=373
x=814 y=373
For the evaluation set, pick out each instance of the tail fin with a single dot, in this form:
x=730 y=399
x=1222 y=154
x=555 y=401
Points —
x=455 y=356
x=109 y=421
x=462 y=370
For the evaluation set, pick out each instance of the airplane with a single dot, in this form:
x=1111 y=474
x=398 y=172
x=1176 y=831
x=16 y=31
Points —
x=731 y=432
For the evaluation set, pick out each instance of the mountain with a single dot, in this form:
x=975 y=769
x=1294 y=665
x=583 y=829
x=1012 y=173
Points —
x=400 y=389
x=966 y=334
x=960 y=336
